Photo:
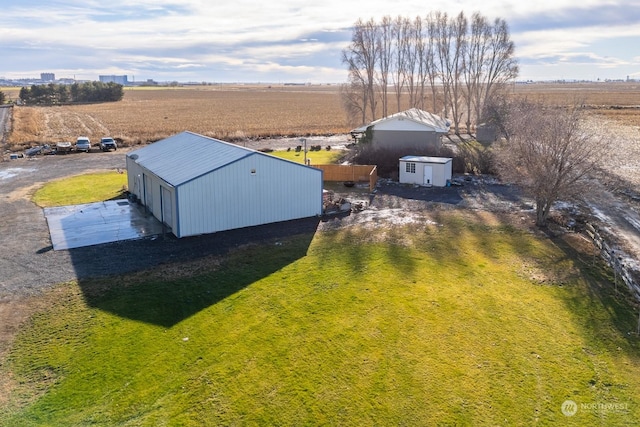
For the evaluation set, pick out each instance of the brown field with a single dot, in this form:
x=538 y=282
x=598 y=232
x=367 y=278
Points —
x=239 y=112
x=225 y=112
x=619 y=101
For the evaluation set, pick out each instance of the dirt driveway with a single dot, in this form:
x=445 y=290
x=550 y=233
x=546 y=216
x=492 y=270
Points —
x=27 y=260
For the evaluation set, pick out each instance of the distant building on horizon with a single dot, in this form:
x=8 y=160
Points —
x=123 y=80
x=47 y=77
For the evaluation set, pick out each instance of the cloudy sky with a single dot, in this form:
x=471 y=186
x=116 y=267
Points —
x=291 y=40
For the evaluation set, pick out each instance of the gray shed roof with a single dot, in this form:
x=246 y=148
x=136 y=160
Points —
x=417 y=115
x=186 y=156
x=426 y=159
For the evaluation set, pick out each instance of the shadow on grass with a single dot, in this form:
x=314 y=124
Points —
x=177 y=278
x=619 y=308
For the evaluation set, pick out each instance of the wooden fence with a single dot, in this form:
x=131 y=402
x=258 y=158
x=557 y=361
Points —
x=355 y=173
x=620 y=271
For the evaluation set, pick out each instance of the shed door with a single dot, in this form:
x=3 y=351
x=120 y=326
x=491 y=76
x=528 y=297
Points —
x=167 y=216
x=428 y=175
x=148 y=193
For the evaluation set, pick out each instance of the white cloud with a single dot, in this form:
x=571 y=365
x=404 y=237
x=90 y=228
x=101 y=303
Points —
x=191 y=36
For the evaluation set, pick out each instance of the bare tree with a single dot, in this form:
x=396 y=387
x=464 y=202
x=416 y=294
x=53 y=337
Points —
x=458 y=30
x=463 y=66
x=384 y=45
x=548 y=154
x=361 y=58
x=499 y=65
x=442 y=38
x=401 y=39
x=477 y=46
x=431 y=62
x=354 y=100
x=423 y=62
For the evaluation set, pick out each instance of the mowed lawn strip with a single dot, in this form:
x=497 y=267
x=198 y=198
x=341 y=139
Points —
x=321 y=157
x=460 y=323
x=87 y=188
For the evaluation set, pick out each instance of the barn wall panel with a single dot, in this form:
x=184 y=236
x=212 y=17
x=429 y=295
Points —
x=256 y=190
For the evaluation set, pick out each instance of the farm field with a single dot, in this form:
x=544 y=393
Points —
x=150 y=114
x=237 y=113
x=463 y=320
x=618 y=101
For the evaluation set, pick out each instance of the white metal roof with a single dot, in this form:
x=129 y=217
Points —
x=187 y=155
x=425 y=159
x=416 y=115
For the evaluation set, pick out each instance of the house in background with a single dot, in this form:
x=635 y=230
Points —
x=197 y=185
x=411 y=129
x=428 y=171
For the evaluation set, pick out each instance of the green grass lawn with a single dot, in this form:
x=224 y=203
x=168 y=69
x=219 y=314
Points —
x=322 y=157
x=462 y=323
x=87 y=188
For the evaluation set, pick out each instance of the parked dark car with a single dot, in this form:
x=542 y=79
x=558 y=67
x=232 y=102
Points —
x=39 y=149
x=108 y=143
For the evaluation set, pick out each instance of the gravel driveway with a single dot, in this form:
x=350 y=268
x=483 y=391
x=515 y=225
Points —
x=28 y=261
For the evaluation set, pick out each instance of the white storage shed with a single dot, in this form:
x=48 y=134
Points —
x=198 y=185
x=428 y=171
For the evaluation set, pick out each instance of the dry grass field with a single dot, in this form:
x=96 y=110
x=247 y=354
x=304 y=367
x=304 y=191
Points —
x=238 y=112
x=619 y=101
x=225 y=112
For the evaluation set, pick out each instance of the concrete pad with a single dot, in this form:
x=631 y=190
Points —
x=90 y=224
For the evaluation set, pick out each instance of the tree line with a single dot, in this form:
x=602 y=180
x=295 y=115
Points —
x=56 y=94
x=453 y=66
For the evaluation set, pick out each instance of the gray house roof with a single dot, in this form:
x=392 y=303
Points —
x=430 y=120
x=185 y=156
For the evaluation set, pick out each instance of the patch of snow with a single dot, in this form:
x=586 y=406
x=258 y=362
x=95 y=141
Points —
x=599 y=214
x=12 y=172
